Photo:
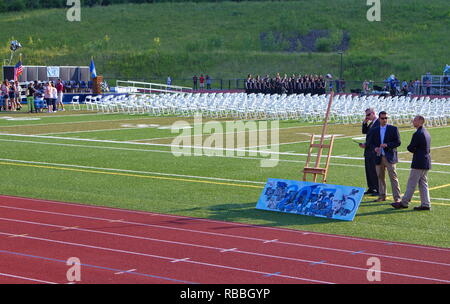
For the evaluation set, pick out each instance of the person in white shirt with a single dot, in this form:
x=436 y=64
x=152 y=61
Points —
x=384 y=141
x=47 y=97
x=53 y=96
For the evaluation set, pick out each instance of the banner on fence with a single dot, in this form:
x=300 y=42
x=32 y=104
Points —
x=53 y=72
x=313 y=199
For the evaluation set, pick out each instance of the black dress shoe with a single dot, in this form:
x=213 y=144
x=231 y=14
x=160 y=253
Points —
x=420 y=208
x=374 y=193
x=398 y=206
x=370 y=192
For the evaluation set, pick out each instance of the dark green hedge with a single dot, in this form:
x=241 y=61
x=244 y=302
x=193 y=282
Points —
x=21 y=5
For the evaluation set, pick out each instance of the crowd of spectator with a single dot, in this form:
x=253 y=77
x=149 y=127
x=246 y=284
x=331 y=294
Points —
x=396 y=87
x=199 y=82
x=10 y=96
x=40 y=96
x=295 y=84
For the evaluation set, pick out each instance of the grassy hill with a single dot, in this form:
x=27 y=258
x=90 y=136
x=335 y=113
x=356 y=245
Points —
x=232 y=39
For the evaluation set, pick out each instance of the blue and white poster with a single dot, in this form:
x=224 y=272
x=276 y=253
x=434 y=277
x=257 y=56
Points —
x=313 y=199
x=53 y=71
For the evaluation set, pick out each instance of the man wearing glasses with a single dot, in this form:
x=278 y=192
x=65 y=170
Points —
x=384 y=140
x=370 y=122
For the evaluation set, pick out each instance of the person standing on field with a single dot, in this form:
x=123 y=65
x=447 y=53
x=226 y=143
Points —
x=420 y=165
x=60 y=92
x=384 y=140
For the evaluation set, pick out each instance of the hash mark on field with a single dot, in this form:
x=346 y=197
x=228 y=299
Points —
x=127 y=271
x=180 y=260
x=272 y=274
x=227 y=250
x=70 y=228
x=358 y=252
x=18 y=235
x=115 y=221
x=271 y=241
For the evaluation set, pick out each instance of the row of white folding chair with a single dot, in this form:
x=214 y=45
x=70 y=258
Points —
x=346 y=109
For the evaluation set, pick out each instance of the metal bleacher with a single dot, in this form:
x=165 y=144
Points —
x=143 y=88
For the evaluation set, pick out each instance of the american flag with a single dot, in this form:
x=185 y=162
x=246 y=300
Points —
x=18 y=70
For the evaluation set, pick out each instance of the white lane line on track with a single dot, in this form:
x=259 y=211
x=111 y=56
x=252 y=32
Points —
x=94 y=267
x=164 y=258
x=188 y=260
x=222 y=250
x=25 y=278
x=219 y=222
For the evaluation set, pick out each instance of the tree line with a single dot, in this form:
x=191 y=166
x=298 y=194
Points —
x=21 y=5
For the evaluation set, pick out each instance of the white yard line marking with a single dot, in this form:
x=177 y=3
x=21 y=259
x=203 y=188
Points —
x=194 y=147
x=86 y=131
x=432 y=148
x=160 y=151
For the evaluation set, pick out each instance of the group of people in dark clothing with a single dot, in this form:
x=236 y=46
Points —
x=296 y=84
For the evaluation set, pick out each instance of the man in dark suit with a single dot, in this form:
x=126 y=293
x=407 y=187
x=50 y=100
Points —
x=384 y=140
x=370 y=122
x=421 y=164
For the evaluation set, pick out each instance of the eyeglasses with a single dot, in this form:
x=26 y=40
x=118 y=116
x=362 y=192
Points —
x=384 y=118
x=368 y=114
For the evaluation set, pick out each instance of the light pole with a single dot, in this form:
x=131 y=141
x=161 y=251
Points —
x=340 y=72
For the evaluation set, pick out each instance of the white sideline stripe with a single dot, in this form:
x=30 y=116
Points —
x=166 y=258
x=317 y=136
x=265 y=151
x=169 y=174
x=161 y=151
x=432 y=148
x=216 y=222
x=76 y=122
x=25 y=278
x=208 y=233
x=87 y=131
x=243 y=252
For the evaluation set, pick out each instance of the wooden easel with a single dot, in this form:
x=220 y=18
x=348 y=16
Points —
x=317 y=170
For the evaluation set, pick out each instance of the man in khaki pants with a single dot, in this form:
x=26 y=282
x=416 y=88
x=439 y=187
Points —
x=420 y=165
x=384 y=140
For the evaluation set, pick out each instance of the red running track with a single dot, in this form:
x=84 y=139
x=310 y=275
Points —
x=37 y=238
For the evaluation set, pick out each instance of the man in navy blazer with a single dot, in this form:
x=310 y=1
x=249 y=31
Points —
x=384 y=140
x=370 y=122
x=420 y=165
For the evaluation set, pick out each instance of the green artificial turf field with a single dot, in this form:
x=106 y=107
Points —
x=126 y=161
